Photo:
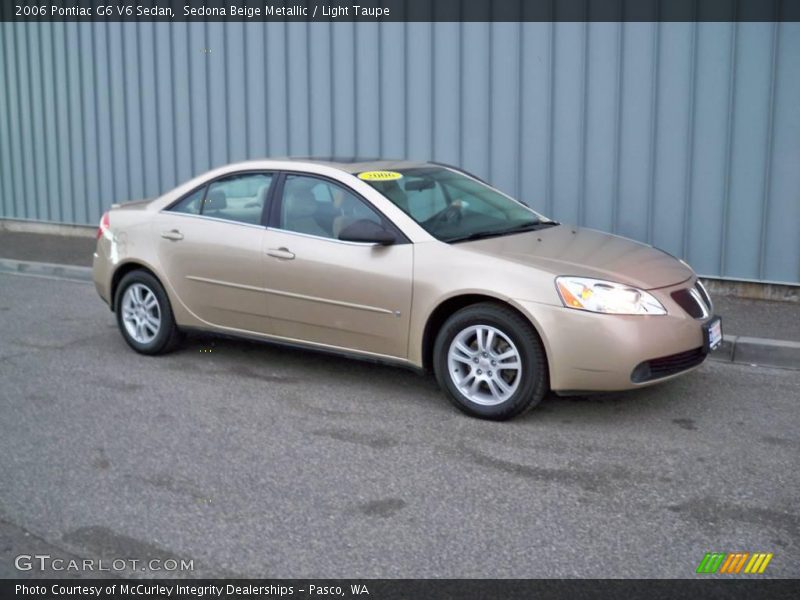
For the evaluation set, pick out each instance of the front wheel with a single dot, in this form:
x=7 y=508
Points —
x=490 y=361
x=144 y=315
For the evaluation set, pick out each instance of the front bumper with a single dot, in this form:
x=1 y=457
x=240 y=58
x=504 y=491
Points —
x=600 y=352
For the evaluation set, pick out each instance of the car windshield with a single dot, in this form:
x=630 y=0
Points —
x=452 y=206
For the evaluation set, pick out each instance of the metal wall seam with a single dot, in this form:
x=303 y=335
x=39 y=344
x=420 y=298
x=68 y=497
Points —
x=520 y=74
x=332 y=98
x=652 y=159
x=489 y=101
x=549 y=201
x=95 y=90
x=618 y=128
x=729 y=134
x=38 y=116
x=54 y=193
x=769 y=147
x=125 y=106
x=23 y=116
x=689 y=152
x=5 y=144
x=583 y=124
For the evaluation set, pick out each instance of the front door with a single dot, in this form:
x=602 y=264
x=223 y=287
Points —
x=324 y=290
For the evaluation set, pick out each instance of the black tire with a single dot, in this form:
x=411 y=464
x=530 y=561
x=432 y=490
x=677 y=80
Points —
x=168 y=335
x=533 y=383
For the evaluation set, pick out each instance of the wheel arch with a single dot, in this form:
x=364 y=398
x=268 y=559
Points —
x=450 y=305
x=122 y=270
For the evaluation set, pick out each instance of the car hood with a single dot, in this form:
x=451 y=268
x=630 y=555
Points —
x=566 y=250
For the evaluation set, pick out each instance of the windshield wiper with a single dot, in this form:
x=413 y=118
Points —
x=479 y=235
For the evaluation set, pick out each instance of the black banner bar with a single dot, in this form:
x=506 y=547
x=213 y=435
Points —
x=398 y=10
x=411 y=589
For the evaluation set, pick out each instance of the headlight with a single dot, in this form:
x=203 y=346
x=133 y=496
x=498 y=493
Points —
x=600 y=296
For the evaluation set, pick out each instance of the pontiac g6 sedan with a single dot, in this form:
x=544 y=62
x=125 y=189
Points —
x=418 y=264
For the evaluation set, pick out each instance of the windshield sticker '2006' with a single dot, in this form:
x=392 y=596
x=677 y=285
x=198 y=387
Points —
x=379 y=175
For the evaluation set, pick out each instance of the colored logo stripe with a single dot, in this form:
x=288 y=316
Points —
x=733 y=562
x=758 y=563
x=711 y=562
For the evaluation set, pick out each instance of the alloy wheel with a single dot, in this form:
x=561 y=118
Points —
x=484 y=364
x=141 y=313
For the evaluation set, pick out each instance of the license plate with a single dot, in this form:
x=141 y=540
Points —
x=713 y=334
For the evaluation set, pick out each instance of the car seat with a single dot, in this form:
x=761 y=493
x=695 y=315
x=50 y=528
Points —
x=216 y=201
x=299 y=210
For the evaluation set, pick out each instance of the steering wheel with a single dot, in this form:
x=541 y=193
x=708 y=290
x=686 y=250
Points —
x=451 y=213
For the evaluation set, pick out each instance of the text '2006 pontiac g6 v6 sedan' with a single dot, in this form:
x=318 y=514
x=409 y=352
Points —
x=414 y=263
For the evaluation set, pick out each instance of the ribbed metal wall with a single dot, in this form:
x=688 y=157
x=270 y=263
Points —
x=684 y=135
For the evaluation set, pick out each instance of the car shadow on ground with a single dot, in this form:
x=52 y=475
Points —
x=274 y=362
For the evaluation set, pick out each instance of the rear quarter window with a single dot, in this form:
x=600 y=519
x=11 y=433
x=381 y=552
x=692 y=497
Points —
x=191 y=203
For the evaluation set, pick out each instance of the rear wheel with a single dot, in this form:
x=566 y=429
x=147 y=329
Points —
x=144 y=315
x=490 y=361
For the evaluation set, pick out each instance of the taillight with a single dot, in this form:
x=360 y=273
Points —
x=104 y=225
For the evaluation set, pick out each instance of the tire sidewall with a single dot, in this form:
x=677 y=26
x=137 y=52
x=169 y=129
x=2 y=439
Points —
x=162 y=338
x=534 y=375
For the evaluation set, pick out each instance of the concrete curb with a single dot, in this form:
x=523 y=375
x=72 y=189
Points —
x=43 y=227
x=735 y=348
x=38 y=269
x=761 y=290
x=758 y=351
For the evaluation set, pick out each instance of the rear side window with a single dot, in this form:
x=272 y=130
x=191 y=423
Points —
x=239 y=198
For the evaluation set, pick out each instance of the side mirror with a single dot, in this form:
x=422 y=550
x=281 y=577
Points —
x=367 y=232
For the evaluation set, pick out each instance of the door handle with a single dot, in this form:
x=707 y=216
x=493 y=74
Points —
x=173 y=235
x=283 y=253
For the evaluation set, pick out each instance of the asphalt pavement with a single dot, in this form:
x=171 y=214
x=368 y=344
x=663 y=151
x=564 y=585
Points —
x=47 y=248
x=255 y=460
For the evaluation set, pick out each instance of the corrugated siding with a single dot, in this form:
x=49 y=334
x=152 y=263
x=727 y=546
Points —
x=684 y=135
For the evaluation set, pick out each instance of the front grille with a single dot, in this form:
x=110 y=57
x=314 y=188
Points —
x=665 y=366
x=694 y=301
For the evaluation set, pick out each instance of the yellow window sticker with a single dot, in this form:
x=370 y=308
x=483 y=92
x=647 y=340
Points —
x=379 y=175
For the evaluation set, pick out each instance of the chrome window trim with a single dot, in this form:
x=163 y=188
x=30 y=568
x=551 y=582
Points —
x=207 y=218
x=319 y=237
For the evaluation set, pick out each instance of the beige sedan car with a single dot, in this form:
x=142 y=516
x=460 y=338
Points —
x=417 y=264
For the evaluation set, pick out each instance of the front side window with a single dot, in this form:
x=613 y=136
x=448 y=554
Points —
x=454 y=207
x=319 y=207
x=238 y=198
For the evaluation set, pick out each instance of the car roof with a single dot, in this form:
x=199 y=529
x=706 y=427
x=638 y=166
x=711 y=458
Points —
x=358 y=164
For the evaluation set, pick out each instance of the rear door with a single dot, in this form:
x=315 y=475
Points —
x=328 y=291
x=210 y=247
